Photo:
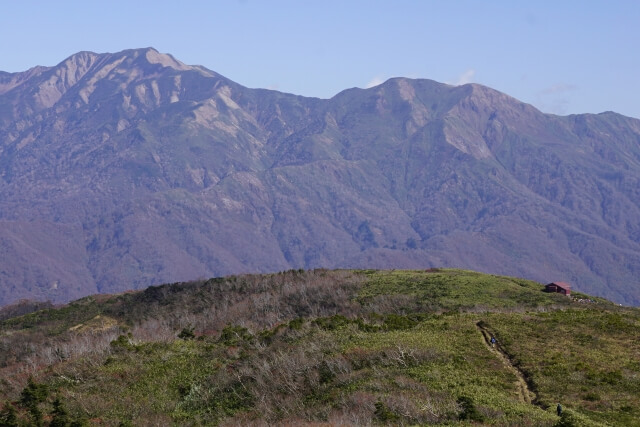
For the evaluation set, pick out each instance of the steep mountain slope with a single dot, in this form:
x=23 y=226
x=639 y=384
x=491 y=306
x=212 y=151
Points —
x=124 y=170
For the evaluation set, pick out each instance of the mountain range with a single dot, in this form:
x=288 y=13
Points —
x=119 y=171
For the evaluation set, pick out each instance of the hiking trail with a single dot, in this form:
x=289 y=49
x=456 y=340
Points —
x=525 y=394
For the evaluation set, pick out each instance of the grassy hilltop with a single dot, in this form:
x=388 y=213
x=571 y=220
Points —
x=326 y=347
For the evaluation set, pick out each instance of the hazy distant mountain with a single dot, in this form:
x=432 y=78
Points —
x=119 y=171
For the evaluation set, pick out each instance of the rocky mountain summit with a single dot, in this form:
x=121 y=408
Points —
x=124 y=170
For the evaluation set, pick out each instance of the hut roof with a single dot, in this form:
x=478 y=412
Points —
x=561 y=285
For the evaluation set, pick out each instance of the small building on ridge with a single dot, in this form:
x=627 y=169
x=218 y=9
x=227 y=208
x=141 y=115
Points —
x=558 y=287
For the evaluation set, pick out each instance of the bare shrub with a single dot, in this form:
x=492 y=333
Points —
x=354 y=409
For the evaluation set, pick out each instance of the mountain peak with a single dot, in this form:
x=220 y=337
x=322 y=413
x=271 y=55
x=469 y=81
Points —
x=149 y=56
x=122 y=170
x=164 y=59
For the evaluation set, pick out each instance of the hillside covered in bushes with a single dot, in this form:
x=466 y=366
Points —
x=336 y=347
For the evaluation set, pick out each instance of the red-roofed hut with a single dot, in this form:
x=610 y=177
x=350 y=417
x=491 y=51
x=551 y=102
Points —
x=558 y=287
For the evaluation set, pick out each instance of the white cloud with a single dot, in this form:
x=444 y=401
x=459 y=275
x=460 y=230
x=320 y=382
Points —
x=377 y=80
x=464 y=78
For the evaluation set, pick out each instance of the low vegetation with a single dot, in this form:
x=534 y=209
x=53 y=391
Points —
x=336 y=347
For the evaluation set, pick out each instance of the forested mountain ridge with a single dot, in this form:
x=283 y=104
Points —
x=124 y=170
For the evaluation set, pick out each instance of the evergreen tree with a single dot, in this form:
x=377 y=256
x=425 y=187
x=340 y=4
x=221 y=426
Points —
x=8 y=416
x=32 y=395
x=60 y=415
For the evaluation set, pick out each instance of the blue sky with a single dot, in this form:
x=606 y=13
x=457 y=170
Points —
x=563 y=57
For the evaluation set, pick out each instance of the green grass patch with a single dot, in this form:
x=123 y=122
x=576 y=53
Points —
x=452 y=289
x=585 y=358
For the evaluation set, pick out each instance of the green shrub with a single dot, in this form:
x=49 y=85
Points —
x=187 y=333
x=33 y=393
x=394 y=322
x=383 y=413
x=233 y=335
x=60 y=417
x=296 y=323
x=331 y=323
x=325 y=373
x=592 y=396
x=573 y=419
x=122 y=343
x=469 y=410
x=8 y=416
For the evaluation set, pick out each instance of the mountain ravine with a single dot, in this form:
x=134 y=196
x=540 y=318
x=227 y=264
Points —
x=119 y=171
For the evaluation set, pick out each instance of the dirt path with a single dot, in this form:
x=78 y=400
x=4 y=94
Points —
x=525 y=394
